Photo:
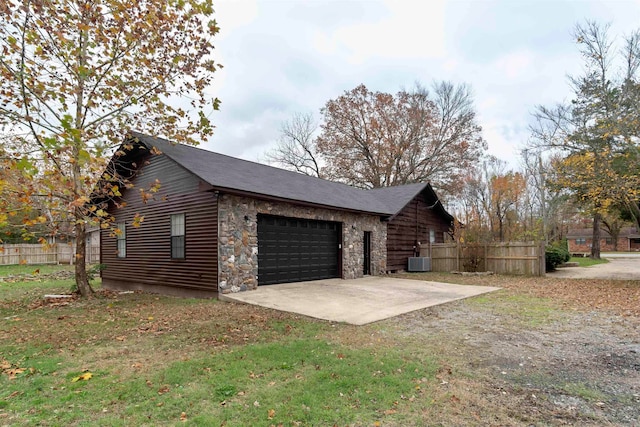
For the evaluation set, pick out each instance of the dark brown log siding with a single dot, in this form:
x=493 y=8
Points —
x=412 y=225
x=148 y=263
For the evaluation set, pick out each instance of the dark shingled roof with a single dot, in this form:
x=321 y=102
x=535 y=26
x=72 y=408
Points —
x=397 y=197
x=231 y=174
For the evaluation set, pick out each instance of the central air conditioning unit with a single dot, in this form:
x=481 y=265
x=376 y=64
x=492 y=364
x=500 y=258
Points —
x=419 y=264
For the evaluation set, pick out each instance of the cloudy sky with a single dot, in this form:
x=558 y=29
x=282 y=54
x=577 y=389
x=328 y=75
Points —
x=286 y=56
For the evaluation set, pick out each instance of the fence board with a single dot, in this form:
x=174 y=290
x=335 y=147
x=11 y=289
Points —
x=29 y=253
x=519 y=258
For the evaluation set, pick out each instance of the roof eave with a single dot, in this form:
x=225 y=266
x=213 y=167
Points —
x=272 y=198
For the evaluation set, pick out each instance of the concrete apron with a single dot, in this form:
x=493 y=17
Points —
x=358 y=301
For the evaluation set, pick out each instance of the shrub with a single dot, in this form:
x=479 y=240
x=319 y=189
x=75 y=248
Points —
x=473 y=258
x=555 y=254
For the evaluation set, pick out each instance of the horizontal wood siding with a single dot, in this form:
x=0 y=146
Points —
x=148 y=253
x=412 y=225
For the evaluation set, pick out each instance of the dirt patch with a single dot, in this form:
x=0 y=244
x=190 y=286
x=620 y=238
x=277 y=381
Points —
x=538 y=363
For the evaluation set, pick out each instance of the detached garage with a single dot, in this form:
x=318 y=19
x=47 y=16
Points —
x=217 y=224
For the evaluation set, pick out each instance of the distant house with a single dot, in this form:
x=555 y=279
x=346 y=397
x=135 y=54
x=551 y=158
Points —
x=221 y=224
x=580 y=240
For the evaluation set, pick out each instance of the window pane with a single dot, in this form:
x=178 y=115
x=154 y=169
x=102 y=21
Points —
x=122 y=230
x=177 y=247
x=122 y=248
x=177 y=225
x=121 y=237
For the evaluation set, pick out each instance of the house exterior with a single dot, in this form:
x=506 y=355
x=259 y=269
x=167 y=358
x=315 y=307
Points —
x=580 y=240
x=421 y=220
x=214 y=223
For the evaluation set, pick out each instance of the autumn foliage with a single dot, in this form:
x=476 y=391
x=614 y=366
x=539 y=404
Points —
x=376 y=139
x=75 y=75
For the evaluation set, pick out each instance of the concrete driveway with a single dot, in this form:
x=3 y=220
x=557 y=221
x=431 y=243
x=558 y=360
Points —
x=621 y=266
x=358 y=301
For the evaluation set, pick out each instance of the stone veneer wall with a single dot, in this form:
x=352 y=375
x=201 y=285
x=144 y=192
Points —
x=238 y=239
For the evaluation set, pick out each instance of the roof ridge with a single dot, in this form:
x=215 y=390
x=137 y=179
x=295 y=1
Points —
x=209 y=152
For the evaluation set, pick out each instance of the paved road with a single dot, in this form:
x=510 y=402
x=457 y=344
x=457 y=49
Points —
x=620 y=267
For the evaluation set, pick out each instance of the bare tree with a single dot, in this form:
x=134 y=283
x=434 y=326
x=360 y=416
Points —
x=296 y=149
x=547 y=202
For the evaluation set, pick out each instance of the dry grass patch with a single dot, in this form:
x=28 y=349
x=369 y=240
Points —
x=619 y=296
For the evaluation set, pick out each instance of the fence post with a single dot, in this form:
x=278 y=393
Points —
x=486 y=262
x=542 y=264
x=457 y=255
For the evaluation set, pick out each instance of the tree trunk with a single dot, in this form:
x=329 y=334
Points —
x=595 y=238
x=635 y=212
x=615 y=235
x=82 y=279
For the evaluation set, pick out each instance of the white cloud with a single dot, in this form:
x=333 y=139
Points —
x=411 y=29
x=515 y=65
x=289 y=56
x=234 y=14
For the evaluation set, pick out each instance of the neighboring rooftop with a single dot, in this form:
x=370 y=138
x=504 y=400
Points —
x=232 y=174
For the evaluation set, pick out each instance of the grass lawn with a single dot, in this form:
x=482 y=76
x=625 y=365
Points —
x=157 y=360
x=8 y=270
x=142 y=359
x=587 y=262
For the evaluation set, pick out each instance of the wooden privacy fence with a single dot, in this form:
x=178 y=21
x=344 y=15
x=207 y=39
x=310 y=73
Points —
x=59 y=253
x=520 y=258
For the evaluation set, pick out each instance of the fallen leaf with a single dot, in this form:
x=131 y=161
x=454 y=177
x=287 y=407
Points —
x=390 y=412
x=183 y=417
x=84 y=377
x=271 y=413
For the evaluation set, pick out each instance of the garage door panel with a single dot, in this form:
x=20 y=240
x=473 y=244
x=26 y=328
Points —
x=291 y=249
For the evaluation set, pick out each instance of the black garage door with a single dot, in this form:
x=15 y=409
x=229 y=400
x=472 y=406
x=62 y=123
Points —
x=294 y=250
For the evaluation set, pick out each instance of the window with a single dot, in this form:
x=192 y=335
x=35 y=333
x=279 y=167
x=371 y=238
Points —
x=581 y=241
x=608 y=241
x=121 y=236
x=432 y=236
x=177 y=236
